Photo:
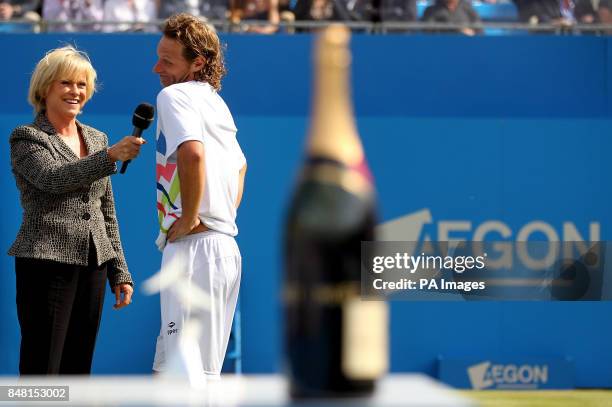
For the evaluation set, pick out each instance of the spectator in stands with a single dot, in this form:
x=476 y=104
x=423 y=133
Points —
x=170 y=7
x=334 y=10
x=604 y=11
x=209 y=9
x=457 y=12
x=284 y=5
x=214 y=9
x=315 y=10
x=585 y=11
x=129 y=11
x=256 y=10
x=286 y=14
x=557 y=12
x=538 y=11
x=604 y=14
x=19 y=9
x=69 y=11
x=399 y=10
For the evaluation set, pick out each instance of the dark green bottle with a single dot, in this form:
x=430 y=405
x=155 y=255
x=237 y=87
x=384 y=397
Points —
x=336 y=343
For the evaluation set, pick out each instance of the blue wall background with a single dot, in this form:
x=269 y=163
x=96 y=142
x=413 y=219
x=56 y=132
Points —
x=513 y=129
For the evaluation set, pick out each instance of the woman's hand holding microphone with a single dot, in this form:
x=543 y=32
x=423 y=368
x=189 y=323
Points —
x=126 y=149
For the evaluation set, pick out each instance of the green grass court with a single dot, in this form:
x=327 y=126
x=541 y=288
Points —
x=542 y=398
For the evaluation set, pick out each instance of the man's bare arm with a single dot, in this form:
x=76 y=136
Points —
x=241 y=175
x=192 y=177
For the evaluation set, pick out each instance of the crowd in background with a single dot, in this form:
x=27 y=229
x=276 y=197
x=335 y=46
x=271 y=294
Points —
x=267 y=16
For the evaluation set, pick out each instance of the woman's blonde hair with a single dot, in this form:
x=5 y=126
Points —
x=59 y=64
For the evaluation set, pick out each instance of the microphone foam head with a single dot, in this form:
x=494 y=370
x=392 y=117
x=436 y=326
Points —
x=143 y=116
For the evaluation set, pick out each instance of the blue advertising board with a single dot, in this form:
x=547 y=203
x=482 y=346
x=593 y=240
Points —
x=519 y=373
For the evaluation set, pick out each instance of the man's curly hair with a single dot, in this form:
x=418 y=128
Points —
x=198 y=38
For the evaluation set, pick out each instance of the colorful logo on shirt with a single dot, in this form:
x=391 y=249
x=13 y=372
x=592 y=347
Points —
x=168 y=186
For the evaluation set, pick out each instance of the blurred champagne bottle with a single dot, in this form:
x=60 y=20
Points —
x=336 y=343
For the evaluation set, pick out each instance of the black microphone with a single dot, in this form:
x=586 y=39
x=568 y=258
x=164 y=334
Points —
x=142 y=118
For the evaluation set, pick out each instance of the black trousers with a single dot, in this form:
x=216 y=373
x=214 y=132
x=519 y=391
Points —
x=59 y=308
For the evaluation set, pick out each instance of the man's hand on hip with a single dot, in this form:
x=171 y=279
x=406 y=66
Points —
x=182 y=227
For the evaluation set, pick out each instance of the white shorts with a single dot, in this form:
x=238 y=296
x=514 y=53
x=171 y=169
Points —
x=211 y=262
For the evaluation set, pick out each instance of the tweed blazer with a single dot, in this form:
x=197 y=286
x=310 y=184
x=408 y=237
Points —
x=66 y=199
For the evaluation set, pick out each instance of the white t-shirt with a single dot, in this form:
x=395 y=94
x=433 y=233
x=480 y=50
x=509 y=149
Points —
x=194 y=111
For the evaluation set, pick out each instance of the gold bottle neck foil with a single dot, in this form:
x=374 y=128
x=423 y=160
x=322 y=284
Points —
x=333 y=132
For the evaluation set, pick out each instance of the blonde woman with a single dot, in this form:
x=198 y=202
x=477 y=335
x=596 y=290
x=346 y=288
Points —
x=68 y=243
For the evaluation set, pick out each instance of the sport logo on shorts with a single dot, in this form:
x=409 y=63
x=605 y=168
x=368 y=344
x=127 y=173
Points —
x=172 y=330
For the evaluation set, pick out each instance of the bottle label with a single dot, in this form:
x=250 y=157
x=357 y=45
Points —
x=352 y=180
x=365 y=339
x=322 y=294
